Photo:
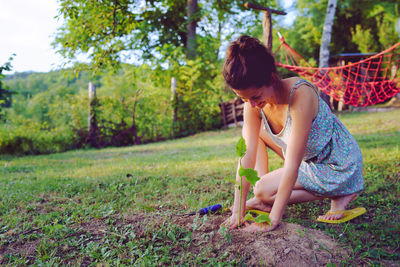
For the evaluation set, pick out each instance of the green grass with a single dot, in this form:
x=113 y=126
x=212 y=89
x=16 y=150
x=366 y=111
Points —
x=47 y=202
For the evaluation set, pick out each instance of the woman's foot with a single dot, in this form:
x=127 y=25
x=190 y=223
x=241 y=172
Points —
x=256 y=204
x=338 y=204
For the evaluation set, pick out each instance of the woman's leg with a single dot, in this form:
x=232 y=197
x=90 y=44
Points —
x=262 y=167
x=267 y=187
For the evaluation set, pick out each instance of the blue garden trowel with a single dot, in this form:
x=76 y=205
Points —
x=203 y=211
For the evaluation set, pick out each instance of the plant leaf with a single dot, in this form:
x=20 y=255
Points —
x=250 y=174
x=248 y=217
x=262 y=218
x=241 y=147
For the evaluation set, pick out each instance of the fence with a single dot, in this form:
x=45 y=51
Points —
x=232 y=112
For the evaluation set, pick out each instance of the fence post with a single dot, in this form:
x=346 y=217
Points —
x=222 y=106
x=92 y=124
x=267 y=23
x=234 y=113
x=267 y=29
x=174 y=100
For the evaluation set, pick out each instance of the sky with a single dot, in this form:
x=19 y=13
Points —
x=27 y=30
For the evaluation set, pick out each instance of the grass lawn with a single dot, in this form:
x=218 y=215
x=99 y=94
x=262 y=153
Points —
x=50 y=204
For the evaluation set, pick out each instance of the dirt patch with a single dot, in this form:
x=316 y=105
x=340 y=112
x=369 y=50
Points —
x=289 y=245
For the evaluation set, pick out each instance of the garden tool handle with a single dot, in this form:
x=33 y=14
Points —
x=210 y=209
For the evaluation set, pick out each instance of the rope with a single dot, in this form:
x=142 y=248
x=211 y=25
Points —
x=363 y=83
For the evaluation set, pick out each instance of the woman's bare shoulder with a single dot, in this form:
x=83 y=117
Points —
x=305 y=98
x=291 y=81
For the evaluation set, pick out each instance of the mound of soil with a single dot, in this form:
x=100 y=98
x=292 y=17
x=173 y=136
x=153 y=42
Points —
x=288 y=245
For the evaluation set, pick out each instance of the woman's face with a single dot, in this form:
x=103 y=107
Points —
x=257 y=97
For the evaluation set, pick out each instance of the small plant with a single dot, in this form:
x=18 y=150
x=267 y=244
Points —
x=301 y=232
x=252 y=178
x=223 y=231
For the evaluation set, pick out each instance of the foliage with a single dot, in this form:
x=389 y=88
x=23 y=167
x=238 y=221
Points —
x=5 y=95
x=366 y=28
x=250 y=174
x=25 y=136
x=262 y=218
x=197 y=97
x=44 y=112
x=364 y=39
x=136 y=101
x=241 y=147
x=111 y=32
x=154 y=32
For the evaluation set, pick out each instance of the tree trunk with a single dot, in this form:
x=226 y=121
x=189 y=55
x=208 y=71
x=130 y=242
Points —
x=327 y=34
x=192 y=8
x=326 y=40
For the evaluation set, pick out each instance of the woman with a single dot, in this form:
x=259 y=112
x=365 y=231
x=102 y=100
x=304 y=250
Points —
x=321 y=158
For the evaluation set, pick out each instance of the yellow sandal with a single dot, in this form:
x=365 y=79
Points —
x=347 y=215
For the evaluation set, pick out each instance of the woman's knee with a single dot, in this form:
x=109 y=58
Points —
x=262 y=193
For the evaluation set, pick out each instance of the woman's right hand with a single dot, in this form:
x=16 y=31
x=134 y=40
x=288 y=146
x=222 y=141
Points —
x=233 y=221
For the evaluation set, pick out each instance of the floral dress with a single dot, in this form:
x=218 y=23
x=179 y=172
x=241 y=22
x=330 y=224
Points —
x=332 y=164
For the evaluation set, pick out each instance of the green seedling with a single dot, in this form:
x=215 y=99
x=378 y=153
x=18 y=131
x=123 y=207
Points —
x=252 y=178
x=224 y=232
x=262 y=218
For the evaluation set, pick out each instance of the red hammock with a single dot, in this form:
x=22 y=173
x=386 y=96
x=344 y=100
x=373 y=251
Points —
x=366 y=82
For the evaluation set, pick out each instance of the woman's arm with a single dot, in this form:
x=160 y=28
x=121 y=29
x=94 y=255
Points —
x=303 y=110
x=250 y=132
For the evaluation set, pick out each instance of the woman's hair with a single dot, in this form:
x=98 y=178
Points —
x=248 y=63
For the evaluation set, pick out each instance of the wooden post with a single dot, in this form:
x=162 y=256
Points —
x=222 y=105
x=394 y=71
x=267 y=29
x=174 y=100
x=92 y=124
x=234 y=113
x=267 y=23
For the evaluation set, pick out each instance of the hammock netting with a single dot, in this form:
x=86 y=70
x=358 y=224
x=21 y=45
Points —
x=363 y=83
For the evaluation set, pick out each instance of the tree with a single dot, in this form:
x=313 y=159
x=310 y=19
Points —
x=378 y=31
x=110 y=31
x=376 y=18
x=5 y=94
x=182 y=38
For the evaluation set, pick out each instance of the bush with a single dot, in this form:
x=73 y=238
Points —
x=34 y=138
x=55 y=118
